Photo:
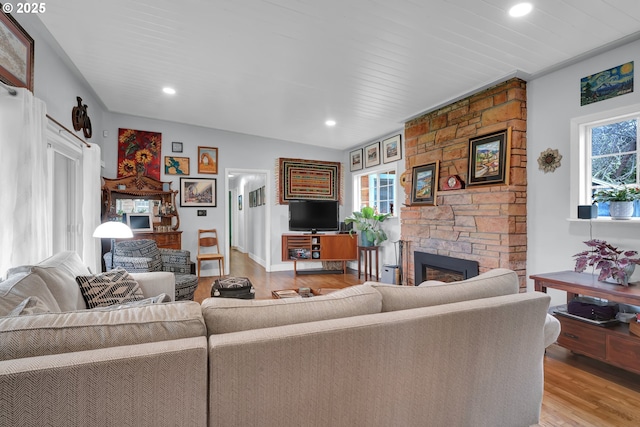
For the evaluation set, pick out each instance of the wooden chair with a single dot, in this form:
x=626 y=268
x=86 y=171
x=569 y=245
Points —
x=208 y=240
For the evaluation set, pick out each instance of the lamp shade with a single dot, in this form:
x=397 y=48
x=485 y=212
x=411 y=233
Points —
x=113 y=230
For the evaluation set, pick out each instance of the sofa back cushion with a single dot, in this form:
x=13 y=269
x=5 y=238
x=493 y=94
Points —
x=223 y=315
x=55 y=333
x=142 y=248
x=497 y=282
x=21 y=286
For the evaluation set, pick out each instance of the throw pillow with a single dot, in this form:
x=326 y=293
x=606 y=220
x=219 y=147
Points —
x=21 y=286
x=31 y=305
x=110 y=288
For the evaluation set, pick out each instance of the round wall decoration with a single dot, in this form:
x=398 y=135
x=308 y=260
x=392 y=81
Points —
x=549 y=160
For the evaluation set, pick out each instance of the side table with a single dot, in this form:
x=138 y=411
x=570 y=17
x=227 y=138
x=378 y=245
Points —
x=366 y=252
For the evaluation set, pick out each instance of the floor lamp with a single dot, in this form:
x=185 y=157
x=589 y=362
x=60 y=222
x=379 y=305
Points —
x=113 y=230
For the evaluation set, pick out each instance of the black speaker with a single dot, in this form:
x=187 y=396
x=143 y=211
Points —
x=587 y=211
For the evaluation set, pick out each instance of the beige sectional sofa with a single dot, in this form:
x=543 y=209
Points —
x=464 y=354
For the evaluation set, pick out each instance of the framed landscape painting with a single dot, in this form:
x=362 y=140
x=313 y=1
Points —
x=424 y=184
x=198 y=192
x=489 y=158
x=355 y=158
x=207 y=160
x=16 y=64
x=372 y=155
x=391 y=149
x=176 y=165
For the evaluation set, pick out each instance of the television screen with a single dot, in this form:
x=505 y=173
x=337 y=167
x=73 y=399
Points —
x=313 y=215
x=140 y=222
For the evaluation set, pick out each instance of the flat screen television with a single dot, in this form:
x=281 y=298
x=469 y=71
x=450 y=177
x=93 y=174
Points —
x=140 y=221
x=313 y=215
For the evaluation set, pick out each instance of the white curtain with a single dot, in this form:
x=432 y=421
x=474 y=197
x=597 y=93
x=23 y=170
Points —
x=25 y=228
x=91 y=185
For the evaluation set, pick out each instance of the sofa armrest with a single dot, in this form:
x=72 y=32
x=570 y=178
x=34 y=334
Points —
x=551 y=330
x=155 y=283
x=150 y=384
x=176 y=260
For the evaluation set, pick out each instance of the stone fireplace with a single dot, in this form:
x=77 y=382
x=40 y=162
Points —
x=442 y=268
x=482 y=223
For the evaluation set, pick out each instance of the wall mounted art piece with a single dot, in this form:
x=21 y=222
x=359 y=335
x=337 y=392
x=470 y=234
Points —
x=372 y=155
x=392 y=149
x=424 y=184
x=139 y=153
x=176 y=165
x=355 y=160
x=240 y=202
x=198 y=192
x=549 y=160
x=607 y=84
x=16 y=52
x=489 y=157
x=176 y=147
x=207 y=160
x=308 y=180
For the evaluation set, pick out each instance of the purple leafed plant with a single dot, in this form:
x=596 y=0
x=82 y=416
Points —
x=611 y=261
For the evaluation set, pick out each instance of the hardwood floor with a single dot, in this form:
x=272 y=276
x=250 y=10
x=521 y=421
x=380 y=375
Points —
x=578 y=391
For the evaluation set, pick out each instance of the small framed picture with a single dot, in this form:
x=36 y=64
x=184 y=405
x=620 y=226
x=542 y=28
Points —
x=355 y=158
x=198 y=192
x=424 y=184
x=489 y=157
x=391 y=149
x=372 y=155
x=16 y=62
x=176 y=147
x=240 y=202
x=207 y=160
x=176 y=165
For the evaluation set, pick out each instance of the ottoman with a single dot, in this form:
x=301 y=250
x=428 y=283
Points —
x=233 y=287
x=186 y=285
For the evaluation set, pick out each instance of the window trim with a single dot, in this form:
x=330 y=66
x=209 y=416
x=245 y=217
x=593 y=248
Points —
x=376 y=170
x=580 y=160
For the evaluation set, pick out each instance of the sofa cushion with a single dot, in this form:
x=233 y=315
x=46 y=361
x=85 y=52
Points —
x=223 y=315
x=21 y=286
x=499 y=281
x=110 y=288
x=138 y=255
x=31 y=305
x=55 y=333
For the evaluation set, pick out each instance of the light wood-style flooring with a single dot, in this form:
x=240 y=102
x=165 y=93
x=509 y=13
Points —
x=578 y=391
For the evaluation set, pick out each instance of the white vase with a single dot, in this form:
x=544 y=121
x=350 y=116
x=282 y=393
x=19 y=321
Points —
x=621 y=210
x=629 y=269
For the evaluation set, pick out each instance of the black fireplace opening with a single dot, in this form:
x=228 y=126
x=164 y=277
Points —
x=442 y=268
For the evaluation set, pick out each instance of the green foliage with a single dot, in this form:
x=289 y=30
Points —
x=619 y=194
x=368 y=222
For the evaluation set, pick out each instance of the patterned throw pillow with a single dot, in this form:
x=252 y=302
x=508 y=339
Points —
x=105 y=289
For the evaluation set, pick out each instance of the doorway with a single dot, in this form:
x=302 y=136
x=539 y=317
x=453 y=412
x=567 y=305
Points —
x=247 y=220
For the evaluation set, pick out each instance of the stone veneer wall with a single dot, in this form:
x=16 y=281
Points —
x=485 y=223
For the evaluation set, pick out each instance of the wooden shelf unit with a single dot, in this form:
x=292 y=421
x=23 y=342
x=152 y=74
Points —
x=613 y=345
x=319 y=247
x=144 y=187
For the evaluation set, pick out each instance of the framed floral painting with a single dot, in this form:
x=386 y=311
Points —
x=139 y=153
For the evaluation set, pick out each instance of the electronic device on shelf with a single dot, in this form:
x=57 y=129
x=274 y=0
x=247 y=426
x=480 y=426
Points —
x=313 y=215
x=140 y=221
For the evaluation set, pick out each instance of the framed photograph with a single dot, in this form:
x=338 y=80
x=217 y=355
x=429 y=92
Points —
x=176 y=165
x=16 y=63
x=198 y=192
x=424 y=184
x=207 y=160
x=176 y=147
x=392 y=149
x=489 y=158
x=240 y=202
x=356 y=160
x=372 y=155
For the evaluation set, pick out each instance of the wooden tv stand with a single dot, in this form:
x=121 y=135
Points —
x=319 y=247
x=613 y=345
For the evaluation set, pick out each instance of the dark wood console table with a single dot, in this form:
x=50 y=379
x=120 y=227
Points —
x=613 y=345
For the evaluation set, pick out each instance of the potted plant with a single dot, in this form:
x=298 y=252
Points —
x=620 y=200
x=613 y=263
x=368 y=223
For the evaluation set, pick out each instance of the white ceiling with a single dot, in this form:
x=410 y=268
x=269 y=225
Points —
x=280 y=68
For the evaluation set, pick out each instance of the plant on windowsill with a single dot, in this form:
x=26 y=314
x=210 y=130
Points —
x=368 y=223
x=620 y=200
x=613 y=263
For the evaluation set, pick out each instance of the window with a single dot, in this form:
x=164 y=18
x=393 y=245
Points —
x=608 y=155
x=376 y=189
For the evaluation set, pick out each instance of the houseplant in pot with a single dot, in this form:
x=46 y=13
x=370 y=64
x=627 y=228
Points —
x=368 y=223
x=620 y=200
x=614 y=264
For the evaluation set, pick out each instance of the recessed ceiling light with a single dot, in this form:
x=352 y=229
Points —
x=520 y=9
x=169 y=90
x=330 y=123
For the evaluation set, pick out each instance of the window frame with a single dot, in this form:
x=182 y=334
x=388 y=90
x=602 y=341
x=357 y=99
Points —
x=580 y=151
x=376 y=170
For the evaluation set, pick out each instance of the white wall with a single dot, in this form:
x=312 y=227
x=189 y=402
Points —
x=553 y=101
